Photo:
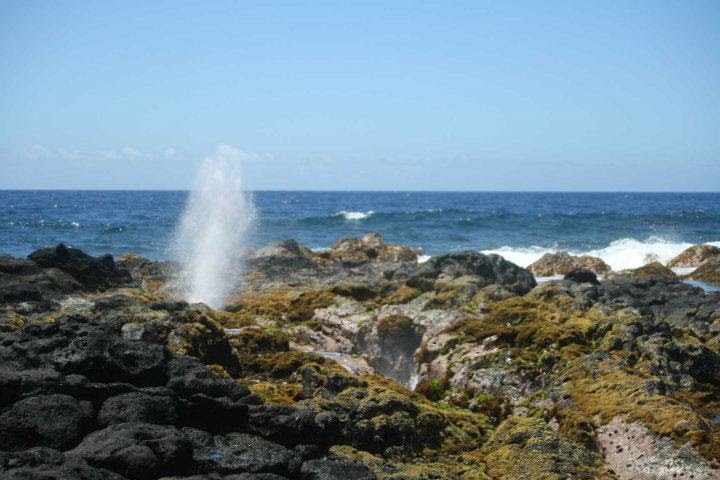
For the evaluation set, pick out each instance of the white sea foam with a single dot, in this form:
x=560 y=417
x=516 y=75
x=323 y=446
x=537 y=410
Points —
x=354 y=215
x=209 y=240
x=620 y=254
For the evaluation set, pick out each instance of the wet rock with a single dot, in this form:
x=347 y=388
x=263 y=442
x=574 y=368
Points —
x=94 y=273
x=138 y=451
x=561 y=263
x=694 y=256
x=56 y=421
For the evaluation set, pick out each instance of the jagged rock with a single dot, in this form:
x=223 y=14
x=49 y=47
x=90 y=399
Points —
x=98 y=355
x=486 y=269
x=94 y=273
x=694 y=256
x=561 y=263
x=55 y=421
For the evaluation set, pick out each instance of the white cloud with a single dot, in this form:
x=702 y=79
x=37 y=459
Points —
x=40 y=152
x=228 y=152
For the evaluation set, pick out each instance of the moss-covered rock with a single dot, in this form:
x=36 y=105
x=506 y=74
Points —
x=523 y=448
x=709 y=271
x=693 y=257
x=561 y=263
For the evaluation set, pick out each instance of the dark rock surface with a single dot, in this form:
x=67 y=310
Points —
x=582 y=275
x=488 y=269
x=94 y=273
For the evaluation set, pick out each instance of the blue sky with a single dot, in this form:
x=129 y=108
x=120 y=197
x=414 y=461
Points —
x=393 y=95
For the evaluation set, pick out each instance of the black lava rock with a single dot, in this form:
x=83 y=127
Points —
x=56 y=421
x=94 y=273
x=582 y=275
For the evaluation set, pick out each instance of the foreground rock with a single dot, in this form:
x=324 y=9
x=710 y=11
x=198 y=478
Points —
x=561 y=263
x=694 y=256
x=574 y=378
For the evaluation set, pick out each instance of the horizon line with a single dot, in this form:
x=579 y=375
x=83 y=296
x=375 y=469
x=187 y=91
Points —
x=170 y=190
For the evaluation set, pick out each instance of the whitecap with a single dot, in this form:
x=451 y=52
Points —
x=620 y=254
x=349 y=215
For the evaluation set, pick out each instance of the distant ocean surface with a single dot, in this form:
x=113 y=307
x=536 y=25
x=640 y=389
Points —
x=621 y=228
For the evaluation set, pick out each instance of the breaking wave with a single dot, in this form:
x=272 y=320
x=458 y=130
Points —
x=620 y=254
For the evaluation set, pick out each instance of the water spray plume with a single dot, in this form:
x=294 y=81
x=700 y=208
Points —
x=210 y=237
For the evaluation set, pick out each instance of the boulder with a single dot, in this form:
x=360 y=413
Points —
x=42 y=463
x=242 y=453
x=94 y=273
x=149 y=274
x=709 y=271
x=582 y=275
x=561 y=263
x=371 y=247
x=486 y=270
x=652 y=271
x=138 y=407
x=694 y=256
x=188 y=377
x=56 y=421
x=138 y=451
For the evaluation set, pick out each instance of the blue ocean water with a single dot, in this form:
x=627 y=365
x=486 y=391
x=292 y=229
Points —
x=623 y=228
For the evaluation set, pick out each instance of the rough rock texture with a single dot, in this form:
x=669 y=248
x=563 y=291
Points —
x=694 y=256
x=482 y=270
x=368 y=248
x=93 y=273
x=709 y=271
x=561 y=263
x=574 y=378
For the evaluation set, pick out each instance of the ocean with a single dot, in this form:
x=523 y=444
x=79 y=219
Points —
x=621 y=228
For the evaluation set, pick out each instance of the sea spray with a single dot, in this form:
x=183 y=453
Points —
x=209 y=240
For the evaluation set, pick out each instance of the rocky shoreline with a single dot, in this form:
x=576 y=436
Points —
x=359 y=363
